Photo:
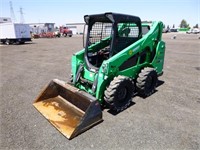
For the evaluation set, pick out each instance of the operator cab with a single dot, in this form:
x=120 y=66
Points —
x=107 y=35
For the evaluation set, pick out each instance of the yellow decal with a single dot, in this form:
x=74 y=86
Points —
x=130 y=52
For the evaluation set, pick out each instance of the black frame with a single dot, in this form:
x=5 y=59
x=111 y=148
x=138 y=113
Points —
x=109 y=17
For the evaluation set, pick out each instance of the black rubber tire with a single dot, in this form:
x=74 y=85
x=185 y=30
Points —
x=118 y=94
x=7 y=42
x=147 y=81
x=17 y=42
x=65 y=35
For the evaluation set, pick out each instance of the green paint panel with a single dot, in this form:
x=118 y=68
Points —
x=148 y=51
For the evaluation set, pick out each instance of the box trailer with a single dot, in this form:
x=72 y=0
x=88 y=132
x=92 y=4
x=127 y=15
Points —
x=14 y=33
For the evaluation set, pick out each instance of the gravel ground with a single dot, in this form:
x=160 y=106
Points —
x=169 y=119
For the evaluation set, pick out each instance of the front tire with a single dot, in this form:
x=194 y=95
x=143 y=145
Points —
x=119 y=93
x=147 y=81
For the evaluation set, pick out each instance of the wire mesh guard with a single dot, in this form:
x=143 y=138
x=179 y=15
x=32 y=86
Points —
x=99 y=31
x=128 y=30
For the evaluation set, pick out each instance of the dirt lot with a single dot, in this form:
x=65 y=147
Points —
x=169 y=119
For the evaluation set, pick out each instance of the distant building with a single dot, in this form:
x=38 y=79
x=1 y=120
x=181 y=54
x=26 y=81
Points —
x=77 y=28
x=38 y=28
x=5 y=20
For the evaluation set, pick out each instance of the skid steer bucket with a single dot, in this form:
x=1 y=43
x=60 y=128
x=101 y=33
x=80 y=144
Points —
x=70 y=110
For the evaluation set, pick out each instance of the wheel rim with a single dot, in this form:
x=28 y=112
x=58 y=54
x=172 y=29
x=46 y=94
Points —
x=122 y=94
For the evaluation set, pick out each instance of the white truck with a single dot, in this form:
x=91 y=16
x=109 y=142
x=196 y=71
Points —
x=17 y=33
x=193 y=31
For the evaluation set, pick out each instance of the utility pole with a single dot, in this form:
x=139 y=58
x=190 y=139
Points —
x=12 y=14
x=21 y=15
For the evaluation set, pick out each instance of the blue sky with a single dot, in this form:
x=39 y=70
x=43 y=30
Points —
x=71 y=11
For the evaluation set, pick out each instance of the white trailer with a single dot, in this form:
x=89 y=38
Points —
x=14 y=33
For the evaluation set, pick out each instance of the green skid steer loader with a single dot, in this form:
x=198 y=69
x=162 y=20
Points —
x=121 y=56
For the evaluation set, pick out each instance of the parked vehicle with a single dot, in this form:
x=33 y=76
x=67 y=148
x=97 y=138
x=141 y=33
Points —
x=47 y=35
x=193 y=31
x=196 y=31
x=65 y=31
x=57 y=33
x=17 y=33
x=165 y=30
x=173 y=30
x=113 y=66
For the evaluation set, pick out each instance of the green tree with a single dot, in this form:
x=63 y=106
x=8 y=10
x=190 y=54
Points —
x=196 y=26
x=184 y=24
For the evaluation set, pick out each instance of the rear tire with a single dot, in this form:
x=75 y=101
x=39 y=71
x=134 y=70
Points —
x=119 y=93
x=147 y=81
x=7 y=42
